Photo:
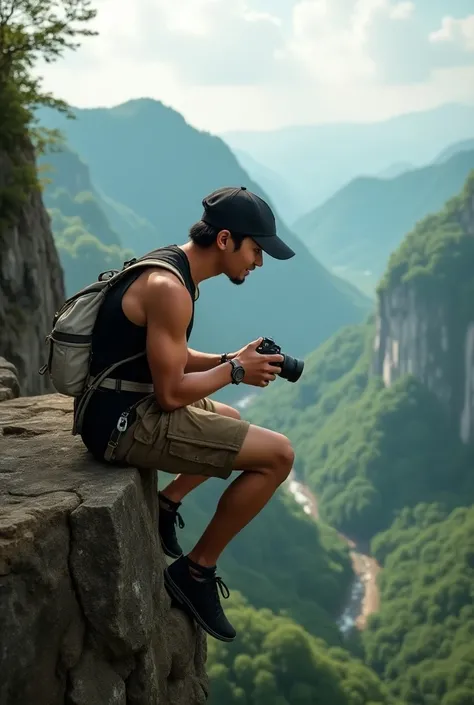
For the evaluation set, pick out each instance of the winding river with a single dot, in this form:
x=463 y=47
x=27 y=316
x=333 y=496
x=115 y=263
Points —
x=363 y=599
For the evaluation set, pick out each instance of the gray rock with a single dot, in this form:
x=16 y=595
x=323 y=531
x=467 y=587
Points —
x=9 y=385
x=31 y=282
x=84 y=616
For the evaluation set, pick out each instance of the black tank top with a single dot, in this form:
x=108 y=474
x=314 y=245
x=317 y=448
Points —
x=114 y=338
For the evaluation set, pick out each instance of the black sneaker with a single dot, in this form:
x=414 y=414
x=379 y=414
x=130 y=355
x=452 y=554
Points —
x=168 y=518
x=200 y=596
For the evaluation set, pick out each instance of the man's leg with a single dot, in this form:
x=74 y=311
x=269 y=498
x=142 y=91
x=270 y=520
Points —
x=197 y=441
x=182 y=485
x=266 y=459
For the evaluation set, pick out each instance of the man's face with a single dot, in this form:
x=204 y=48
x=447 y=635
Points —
x=243 y=261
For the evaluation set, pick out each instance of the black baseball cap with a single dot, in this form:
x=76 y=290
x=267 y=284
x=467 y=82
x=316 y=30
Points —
x=239 y=210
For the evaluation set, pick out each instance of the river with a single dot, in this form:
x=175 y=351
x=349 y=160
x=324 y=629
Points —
x=363 y=599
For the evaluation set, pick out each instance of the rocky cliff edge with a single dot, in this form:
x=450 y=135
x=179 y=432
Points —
x=84 y=615
x=31 y=281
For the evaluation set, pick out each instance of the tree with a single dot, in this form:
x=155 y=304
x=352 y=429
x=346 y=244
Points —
x=31 y=30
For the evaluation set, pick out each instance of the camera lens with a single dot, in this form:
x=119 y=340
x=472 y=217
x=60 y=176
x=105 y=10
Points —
x=291 y=368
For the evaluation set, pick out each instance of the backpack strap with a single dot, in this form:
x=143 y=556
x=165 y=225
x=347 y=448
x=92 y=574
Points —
x=102 y=379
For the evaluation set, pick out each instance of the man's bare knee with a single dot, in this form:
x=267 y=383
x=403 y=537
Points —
x=266 y=451
x=282 y=458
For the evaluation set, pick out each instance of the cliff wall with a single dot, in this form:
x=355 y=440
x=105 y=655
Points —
x=425 y=312
x=31 y=279
x=84 y=615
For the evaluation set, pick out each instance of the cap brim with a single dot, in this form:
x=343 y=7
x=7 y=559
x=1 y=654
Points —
x=274 y=247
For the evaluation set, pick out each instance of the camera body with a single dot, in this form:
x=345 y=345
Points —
x=291 y=367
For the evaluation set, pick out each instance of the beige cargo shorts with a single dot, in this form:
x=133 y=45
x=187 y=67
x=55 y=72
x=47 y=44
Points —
x=192 y=440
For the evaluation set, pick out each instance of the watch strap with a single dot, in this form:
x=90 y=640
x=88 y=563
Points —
x=235 y=366
x=224 y=357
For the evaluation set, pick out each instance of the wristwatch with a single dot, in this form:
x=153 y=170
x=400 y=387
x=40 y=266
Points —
x=237 y=372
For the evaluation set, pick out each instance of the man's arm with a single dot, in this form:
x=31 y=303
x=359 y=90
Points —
x=200 y=362
x=168 y=310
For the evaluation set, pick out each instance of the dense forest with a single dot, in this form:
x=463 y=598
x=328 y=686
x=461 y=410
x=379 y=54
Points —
x=422 y=640
x=275 y=662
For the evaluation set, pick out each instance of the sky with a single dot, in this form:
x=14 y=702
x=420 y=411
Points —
x=262 y=64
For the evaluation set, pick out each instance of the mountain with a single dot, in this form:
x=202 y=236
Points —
x=144 y=156
x=84 y=239
x=463 y=146
x=355 y=231
x=68 y=182
x=282 y=191
x=320 y=159
x=395 y=170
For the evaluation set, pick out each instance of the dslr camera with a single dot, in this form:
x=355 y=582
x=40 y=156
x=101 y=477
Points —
x=291 y=367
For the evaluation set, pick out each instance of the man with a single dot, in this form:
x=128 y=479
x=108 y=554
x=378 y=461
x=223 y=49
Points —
x=177 y=428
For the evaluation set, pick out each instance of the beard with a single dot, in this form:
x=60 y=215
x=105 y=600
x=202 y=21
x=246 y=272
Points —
x=236 y=281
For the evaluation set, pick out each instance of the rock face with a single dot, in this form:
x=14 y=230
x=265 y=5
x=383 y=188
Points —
x=425 y=325
x=84 y=615
x=9 y=385
x=31 y=284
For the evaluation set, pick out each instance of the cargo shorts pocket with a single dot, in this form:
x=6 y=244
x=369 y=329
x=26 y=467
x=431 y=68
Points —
x=199 y=453
x=139 y=444
x=148 y=423
x=201 y=437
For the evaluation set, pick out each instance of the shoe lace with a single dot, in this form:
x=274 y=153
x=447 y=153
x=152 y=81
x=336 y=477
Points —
x=178 y=519
x=218 y=586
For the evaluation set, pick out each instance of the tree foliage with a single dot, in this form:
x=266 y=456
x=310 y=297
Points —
x=422 y=640
x=31 y=31
x=274 y=661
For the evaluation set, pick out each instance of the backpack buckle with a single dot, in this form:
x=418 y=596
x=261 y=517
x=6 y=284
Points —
x=122 y=423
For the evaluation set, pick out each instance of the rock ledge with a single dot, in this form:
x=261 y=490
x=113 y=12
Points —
x=84 y=615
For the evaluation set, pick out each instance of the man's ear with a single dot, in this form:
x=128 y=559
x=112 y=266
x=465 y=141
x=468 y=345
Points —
x=223 y=239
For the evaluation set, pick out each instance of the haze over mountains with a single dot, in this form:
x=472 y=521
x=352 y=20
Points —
x=354 y=232
x=317 y=160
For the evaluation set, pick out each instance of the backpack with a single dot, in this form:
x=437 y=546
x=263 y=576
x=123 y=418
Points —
x=70 y=340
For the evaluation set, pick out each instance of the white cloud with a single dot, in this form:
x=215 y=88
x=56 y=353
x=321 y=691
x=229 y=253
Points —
x=208 y=41
x=460 y=31
x=330 y=38
x=402 y=10
x=264 y=63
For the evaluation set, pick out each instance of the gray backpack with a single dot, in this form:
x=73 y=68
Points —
x=70 y=340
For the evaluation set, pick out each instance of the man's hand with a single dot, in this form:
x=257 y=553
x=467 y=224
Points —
x=260 y=370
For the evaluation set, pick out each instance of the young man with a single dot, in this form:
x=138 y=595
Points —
x=177 y=428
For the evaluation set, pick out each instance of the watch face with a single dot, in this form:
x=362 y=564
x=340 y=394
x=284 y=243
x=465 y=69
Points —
x=239 y=374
